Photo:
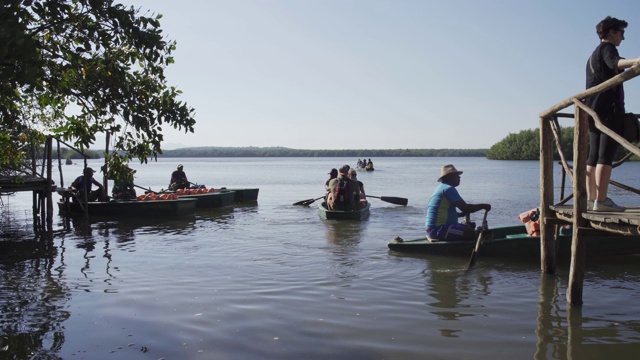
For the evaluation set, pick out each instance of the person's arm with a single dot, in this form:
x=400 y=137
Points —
x=627 y=63
x=470 y=208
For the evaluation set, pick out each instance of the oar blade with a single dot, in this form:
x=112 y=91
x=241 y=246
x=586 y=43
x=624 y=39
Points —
x=395 y=200
x=308 y=201
x=304 y=202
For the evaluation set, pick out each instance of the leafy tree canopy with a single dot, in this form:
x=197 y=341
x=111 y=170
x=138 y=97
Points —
x=76 y=68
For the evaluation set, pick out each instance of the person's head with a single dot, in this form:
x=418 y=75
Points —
x=352 y=173
x=88 y=171
x=333 y=173
x=344 y=170
x=612 y=30
x=450 y=175
x=180 y=167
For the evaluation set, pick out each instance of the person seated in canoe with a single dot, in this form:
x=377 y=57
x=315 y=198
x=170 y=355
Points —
x=332 y=175
x=83 y=185
x=360 y=164
x=343 y=192
x=123 y=187
x=178 y=179
x=353 y=175
x=442 y=217
x=369 y=165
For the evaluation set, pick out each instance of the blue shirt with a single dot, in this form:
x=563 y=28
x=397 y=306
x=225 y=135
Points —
x=441 y=210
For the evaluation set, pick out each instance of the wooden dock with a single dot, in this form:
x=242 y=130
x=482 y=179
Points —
x=552 y=212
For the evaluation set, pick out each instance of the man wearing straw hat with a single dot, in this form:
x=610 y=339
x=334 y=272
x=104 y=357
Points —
x=442 y=217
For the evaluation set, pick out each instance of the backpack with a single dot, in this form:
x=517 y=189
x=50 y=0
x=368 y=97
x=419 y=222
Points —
x=341 y=194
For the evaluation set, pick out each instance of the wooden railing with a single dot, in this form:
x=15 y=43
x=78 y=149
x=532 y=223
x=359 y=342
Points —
x=550 y=130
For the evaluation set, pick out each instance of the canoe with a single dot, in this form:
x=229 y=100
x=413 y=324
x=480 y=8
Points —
x=131 y=207
x=514 y=242
x=327 y=214
x=244 y=195
x=210 y=200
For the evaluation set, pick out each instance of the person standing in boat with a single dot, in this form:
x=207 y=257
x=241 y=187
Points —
x=83 y=185
x=178 y=179
x=442 y=217
x=603 y=64
x=353 y=175
x=343 y=192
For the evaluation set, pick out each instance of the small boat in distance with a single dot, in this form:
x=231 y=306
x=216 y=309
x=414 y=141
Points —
x=68 y=161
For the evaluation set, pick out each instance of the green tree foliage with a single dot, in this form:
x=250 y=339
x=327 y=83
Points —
x=525 y=145
x=92 y=66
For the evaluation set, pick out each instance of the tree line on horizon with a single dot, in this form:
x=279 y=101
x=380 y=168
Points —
x=287 y=152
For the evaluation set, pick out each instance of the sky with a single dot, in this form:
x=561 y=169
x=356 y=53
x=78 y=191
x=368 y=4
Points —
x=379 y=74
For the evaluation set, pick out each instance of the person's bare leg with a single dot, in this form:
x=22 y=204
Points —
x=592 y=190
x=603 y=175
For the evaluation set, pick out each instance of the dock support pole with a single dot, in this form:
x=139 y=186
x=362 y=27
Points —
x=547 y=243
x=579 y=245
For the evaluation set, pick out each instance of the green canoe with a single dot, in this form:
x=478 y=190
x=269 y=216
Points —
x=343 y=215
x=131 y=207
x=211 y=200
x=243 y=195
x=513 y=241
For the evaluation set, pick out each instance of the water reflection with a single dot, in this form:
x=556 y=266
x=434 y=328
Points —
x=567 y=334
x=32 y=309
x=450 y=288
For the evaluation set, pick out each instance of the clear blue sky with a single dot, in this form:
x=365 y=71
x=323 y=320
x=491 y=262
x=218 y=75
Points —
x=363 y=74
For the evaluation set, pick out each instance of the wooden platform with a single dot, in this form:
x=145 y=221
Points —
x=9 y=184
x=626 y=222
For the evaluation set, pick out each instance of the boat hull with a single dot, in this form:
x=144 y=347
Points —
x=213 y=199
x=131 y=208
x=343 y=215
x=513 y=242
x=244 y=195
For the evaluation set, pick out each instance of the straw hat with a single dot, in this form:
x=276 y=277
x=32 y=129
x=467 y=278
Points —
x=448 y=169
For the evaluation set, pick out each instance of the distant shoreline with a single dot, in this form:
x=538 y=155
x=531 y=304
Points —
x=287 y=152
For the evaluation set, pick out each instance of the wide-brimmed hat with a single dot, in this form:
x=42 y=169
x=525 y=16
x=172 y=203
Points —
x=344 y=169
x=89 y=170
x=180 y=166
x=448 y=169
x=333 y=172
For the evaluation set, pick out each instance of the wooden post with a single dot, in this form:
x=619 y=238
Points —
x=579 y=244
x=547 y=245
x=49 y=191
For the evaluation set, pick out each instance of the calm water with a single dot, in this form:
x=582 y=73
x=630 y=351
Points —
x=270 y=280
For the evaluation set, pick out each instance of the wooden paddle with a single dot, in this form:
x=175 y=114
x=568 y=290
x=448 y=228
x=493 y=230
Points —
x=392 y=199
x=474 y=253
x=147 y=190
x=308 y=201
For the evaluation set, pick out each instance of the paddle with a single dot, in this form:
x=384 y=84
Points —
x=146 y=190
x=307 y=202
x=474 y=254
x=391 y=199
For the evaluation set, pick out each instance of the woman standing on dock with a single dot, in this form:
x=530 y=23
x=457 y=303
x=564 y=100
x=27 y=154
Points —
x=604 y=64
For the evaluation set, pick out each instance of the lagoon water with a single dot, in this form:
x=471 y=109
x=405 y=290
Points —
x=270 y=280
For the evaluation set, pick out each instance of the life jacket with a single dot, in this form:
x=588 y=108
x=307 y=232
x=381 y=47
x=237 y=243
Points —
x=341 y=194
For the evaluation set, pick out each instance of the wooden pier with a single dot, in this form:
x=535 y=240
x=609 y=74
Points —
x=39 y=181
x=552 y=213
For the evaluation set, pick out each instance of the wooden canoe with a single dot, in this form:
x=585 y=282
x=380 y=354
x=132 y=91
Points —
x=244 y=194
x=130 y=207
x=327 y=214
x=210 y=200
x=514 y=242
